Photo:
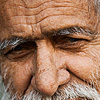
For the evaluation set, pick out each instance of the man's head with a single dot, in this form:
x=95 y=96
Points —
x=50 y=49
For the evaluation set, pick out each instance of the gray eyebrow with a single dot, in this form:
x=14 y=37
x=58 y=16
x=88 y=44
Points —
x=73 y=30
x=14 y=41
x=11 y=42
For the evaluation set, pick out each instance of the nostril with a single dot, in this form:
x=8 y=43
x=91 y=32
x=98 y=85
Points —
x=33 y=84
x=47 y=84
x=63 y=76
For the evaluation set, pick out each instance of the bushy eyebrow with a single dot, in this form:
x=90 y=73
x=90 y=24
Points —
x=73 y=30
x=69 y=31
x=14 y=41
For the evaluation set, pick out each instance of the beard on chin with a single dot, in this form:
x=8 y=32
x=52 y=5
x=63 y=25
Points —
x=72 y=91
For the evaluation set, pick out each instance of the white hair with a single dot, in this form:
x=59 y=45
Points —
x=69 y=92
x=3 y=94
x=97 y=5
x=72 y=91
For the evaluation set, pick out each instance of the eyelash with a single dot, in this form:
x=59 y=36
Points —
x=68 y=43
x=61 y=42
x=21 y=50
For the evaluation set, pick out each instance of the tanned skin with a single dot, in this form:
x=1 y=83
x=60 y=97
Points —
x=49 y=53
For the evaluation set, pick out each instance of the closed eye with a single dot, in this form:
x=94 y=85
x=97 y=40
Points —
x=64 y=42
x=21 y=50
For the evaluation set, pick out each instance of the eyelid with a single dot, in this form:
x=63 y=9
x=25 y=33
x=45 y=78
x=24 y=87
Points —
x=4 y=51
x=80 y=36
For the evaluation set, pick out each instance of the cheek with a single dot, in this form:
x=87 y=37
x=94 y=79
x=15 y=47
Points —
x=23 y=75
x=83 y=67
x=18 y=74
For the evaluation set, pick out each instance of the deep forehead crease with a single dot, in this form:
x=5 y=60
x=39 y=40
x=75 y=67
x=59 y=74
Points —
x=32 y=4
x=32 y=9
x=39 y=17
x=29 y=2
x=27 y=22
x=36 y=3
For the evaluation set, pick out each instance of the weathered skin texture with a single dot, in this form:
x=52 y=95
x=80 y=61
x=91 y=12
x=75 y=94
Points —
x=46 y=66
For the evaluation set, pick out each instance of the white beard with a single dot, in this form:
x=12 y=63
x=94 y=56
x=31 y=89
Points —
x=3 y=94
x=71 y=92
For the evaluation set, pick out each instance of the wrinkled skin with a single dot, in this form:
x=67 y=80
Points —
x=46 y=65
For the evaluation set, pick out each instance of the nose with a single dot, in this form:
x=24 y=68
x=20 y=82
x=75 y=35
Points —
x=48 y=77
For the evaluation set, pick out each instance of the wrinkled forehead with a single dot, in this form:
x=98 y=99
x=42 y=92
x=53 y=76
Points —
x=40 y=5
x=36 y=16
x=37 y=3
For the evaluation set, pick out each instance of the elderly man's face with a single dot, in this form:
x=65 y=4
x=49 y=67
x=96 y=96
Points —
x=50 y=49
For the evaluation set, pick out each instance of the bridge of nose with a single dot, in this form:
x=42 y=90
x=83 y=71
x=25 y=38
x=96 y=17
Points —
x=46 y=75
